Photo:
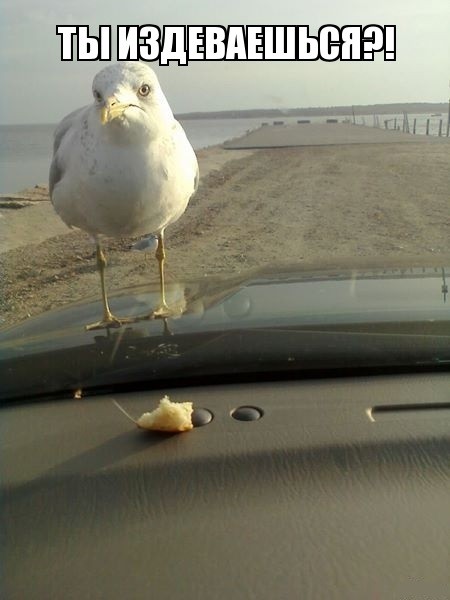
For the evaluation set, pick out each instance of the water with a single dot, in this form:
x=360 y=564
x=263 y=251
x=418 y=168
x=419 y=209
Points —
x=26 y=150
x=25 y=155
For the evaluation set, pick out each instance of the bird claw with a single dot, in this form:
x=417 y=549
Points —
x=110 y=321
x=163 y=312
x=107 y=322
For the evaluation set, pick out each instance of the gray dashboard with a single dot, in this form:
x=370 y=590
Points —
x=340 y=490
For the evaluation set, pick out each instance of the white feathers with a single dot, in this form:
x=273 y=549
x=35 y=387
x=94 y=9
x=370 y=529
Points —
x=132 y=173
x=147 y=244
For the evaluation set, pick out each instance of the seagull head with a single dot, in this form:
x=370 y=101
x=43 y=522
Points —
x=128 y=94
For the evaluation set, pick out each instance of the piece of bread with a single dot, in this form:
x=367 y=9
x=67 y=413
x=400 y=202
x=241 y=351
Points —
x=169 y=416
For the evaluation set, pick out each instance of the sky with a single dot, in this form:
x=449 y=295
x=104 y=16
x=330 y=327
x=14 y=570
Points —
x=38 y=88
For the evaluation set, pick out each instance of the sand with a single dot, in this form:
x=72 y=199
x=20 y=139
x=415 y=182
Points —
x=342 y=205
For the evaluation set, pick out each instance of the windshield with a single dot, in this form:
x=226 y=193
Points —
x=285 y=179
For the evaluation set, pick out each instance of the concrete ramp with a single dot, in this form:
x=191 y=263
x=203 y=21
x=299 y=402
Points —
x=324 y=134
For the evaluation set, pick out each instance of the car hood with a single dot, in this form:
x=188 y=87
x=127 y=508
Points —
x=52 y=353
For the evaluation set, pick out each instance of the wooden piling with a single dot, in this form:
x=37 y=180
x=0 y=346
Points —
x=428 y=127
x=440 y=128
x=448 y=119
x=414 y=126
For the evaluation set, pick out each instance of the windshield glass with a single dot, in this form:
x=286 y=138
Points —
x=298 y=181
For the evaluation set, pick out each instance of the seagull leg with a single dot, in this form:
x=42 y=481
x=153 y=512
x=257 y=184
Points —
x=109 y=320
x=163 y=310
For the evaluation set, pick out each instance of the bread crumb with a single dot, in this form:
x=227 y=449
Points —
x=169 y=417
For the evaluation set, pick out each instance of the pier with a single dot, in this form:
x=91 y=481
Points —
x=325 y=134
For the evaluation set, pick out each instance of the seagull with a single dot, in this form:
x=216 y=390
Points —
x=123 y=166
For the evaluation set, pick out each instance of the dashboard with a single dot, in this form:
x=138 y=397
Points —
x=320 y=488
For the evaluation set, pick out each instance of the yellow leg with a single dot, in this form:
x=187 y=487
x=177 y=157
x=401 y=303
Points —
x=109 y=320
x=163 y=310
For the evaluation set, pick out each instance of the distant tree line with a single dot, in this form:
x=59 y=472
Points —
x=319 y=111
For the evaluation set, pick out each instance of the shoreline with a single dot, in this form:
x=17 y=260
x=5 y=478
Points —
x=40 y=222
x=346 y=205
x=209 y=157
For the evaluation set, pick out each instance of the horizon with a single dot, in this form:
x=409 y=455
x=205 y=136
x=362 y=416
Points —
x=186 y=115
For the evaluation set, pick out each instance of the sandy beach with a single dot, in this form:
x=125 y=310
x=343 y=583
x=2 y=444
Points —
x=381 y=203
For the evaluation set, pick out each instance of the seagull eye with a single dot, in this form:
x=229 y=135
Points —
x=144 y=90
x=97 y=96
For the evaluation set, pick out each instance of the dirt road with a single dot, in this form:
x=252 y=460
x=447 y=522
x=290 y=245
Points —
x=304 y=205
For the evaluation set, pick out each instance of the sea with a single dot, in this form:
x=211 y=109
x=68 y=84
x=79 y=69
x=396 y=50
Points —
x=26 y=150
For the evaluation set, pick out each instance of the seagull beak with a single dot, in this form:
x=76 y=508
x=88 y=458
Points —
x=112 y=109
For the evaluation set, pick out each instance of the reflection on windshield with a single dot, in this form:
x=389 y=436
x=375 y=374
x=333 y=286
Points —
x=293 y=322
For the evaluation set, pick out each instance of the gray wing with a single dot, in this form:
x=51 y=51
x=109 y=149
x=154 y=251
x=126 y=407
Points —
x=56 y=168
x=178 y=130
x=196 y=178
